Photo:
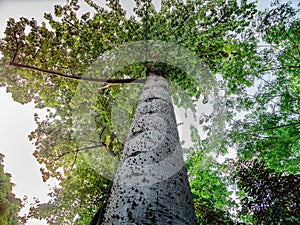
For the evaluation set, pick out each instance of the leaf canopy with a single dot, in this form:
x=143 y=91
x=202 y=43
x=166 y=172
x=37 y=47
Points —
x=223 y=34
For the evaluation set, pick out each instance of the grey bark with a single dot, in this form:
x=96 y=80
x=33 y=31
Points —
x=151 y=183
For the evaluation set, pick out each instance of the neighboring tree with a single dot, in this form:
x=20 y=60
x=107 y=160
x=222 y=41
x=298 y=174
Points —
x=267 y=137
x=9 y=204
x=270 y=128
x=270 y=197
x=219 y=33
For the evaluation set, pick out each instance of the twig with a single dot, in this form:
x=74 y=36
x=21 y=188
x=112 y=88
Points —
x=293 y=42
x=102 y=144
x=272 y=128
x=76 y=154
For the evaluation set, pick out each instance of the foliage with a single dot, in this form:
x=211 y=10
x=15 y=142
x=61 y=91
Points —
x=82 y=188
x=219 y=32
x=267 y=135
x=85 y=190
x=270 y=197
x=9 y=204
x=72 y=44
x=270 y=129
x=209 y=190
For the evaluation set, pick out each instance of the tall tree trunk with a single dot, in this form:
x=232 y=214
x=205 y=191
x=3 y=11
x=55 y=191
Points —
x=151 y=183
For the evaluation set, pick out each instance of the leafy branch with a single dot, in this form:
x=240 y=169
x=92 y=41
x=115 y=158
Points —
x=280 y=50
x=293 y=41
x=273 y=128
x=108 y=82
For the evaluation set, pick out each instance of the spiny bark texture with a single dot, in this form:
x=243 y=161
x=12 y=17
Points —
x=151 y=184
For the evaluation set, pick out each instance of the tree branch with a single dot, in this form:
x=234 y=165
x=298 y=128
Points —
x=71 y=24
x=283 y=51
x=280 y=67
x=17 y=48
x=81 y=149
x=75 y=159
x=108 y=82
x=293 y=42
x=276 y=127
x=262 y=71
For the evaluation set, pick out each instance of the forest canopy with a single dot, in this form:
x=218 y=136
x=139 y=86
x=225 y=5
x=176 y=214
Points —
x=253 y=56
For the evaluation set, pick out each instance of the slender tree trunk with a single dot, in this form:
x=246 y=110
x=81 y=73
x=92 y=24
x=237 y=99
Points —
x=151 y=183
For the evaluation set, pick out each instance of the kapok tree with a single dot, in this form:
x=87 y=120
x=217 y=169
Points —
x=46 y=65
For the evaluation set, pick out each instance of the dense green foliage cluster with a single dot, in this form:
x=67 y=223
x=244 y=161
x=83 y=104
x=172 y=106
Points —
x=9 y=204
x=211 y=197
x=44 y=63
x=270 y=130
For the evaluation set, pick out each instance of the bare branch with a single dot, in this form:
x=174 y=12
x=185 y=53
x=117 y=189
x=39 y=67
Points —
x=284 y=52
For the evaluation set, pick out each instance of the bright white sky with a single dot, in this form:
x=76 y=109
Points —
x=16 y=120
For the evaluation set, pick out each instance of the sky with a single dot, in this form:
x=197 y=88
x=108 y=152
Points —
x=17 y=121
